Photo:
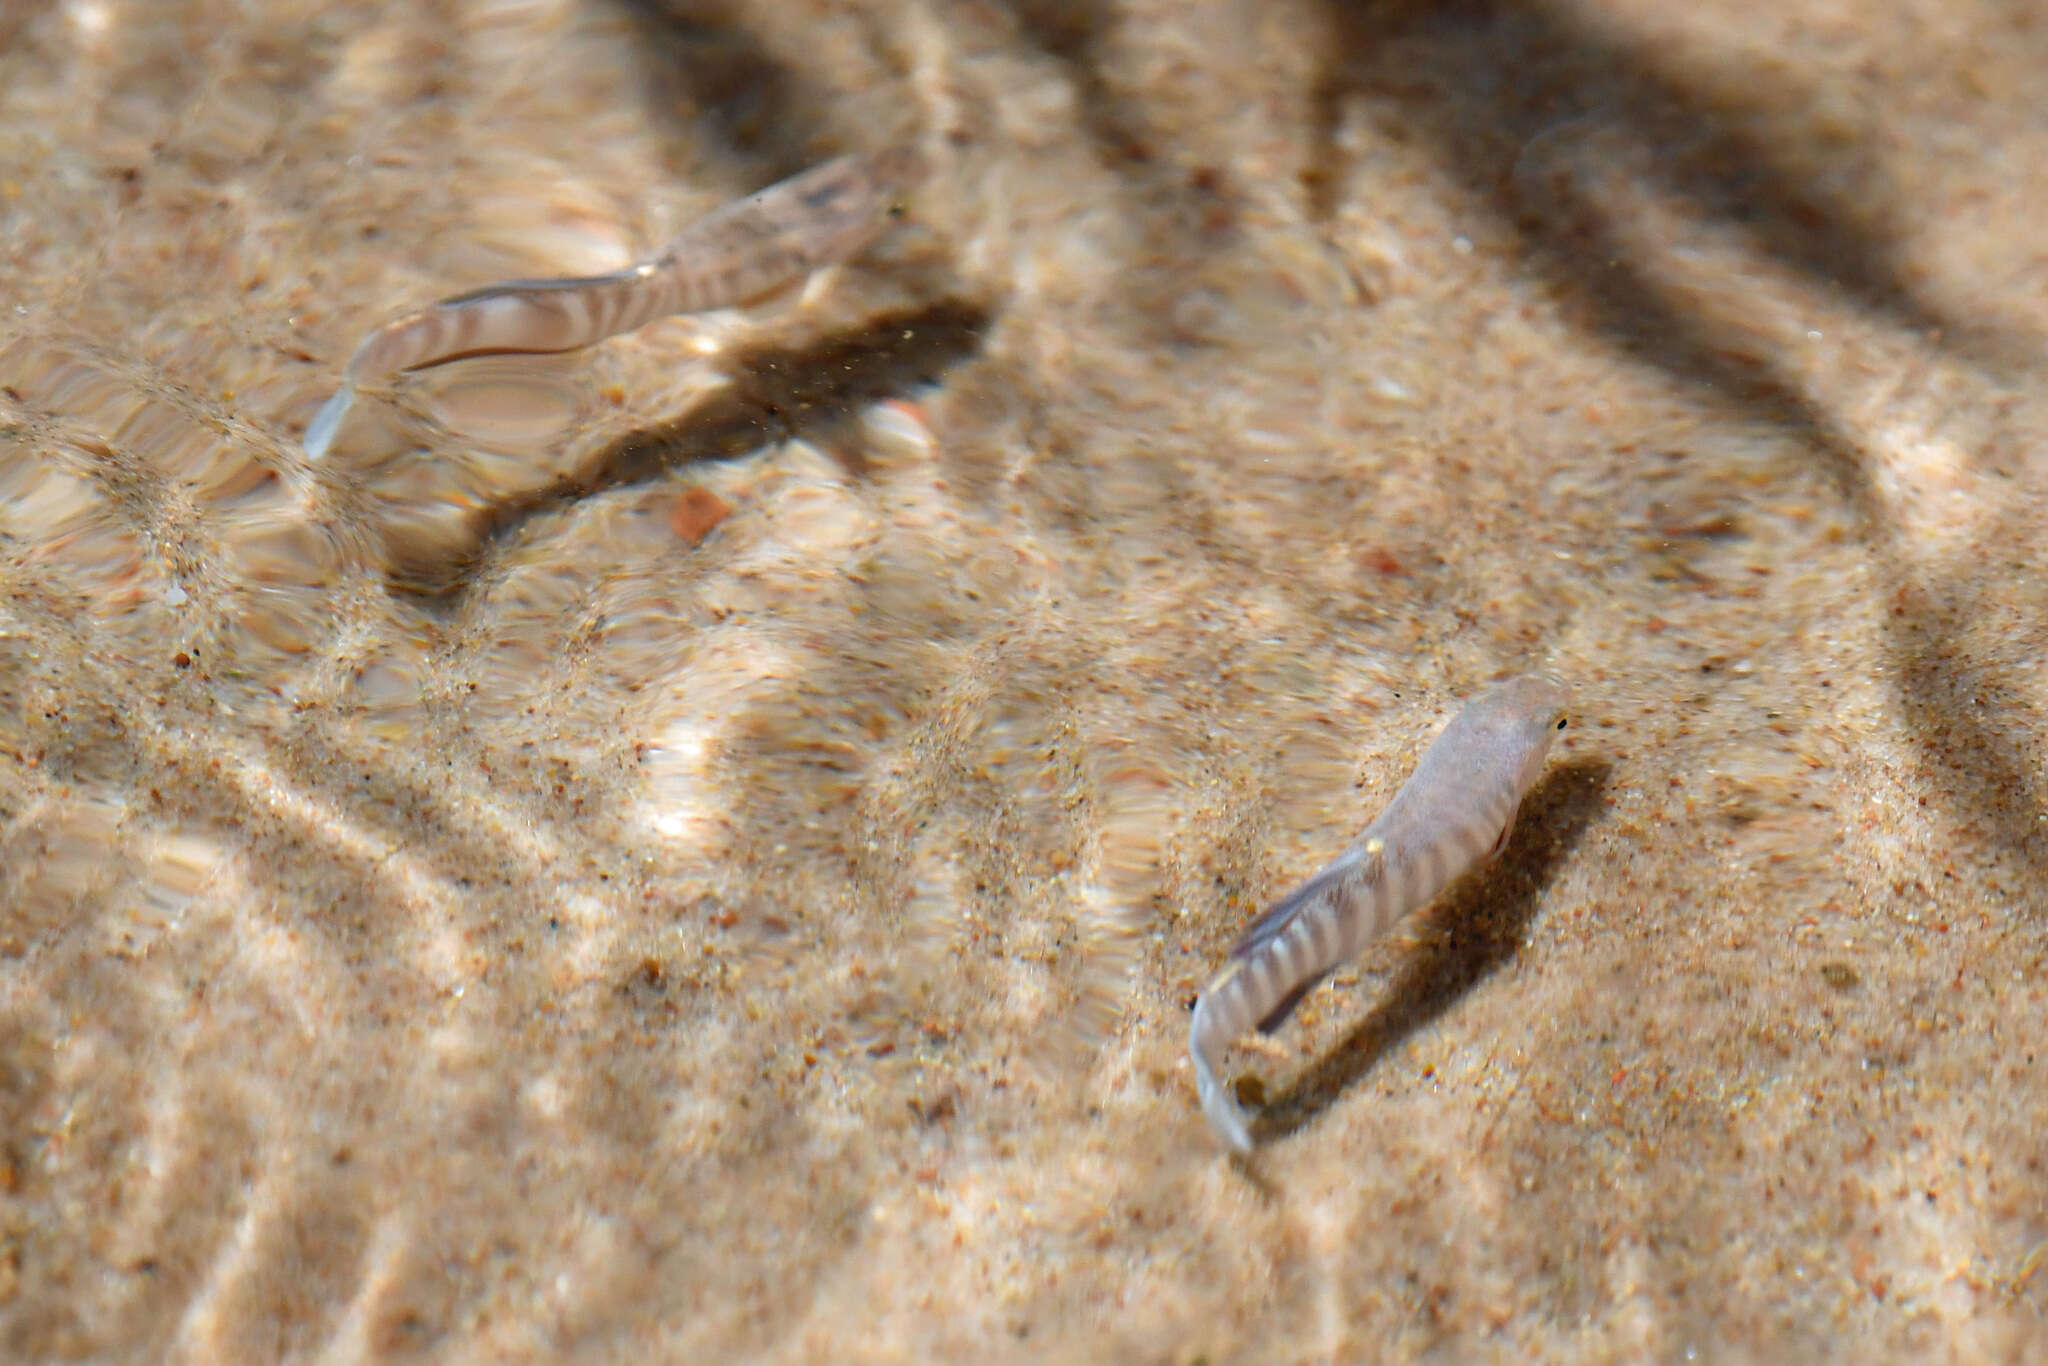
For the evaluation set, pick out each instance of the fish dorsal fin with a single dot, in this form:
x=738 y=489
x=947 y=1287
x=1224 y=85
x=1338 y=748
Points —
x=1361 y=861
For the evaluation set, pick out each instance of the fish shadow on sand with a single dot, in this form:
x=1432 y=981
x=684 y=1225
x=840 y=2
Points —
x=775 y=392
x=1479 y=925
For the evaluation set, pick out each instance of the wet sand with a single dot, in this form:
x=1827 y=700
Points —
x=702 y=849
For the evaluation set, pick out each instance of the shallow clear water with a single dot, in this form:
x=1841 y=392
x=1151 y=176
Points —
x=705 y=845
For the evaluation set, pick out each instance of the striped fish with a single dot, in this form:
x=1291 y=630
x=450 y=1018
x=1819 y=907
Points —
x=744 y=251
x=1454 y=812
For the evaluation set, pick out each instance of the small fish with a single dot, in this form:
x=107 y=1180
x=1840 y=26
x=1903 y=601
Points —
x=1454 y=812
x=745 y=251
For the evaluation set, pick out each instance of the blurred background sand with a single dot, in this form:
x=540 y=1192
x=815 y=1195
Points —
x=701 y=849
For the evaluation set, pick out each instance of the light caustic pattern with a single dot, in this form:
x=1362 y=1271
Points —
x=666 y=950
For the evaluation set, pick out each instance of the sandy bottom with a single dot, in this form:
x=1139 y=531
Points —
x=701 y=849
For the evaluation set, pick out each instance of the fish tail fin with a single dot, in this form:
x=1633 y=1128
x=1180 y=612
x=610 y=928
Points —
x=320 y=431
x=1218 y=1105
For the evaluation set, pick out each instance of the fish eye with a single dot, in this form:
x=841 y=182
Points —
x=1561 y=723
